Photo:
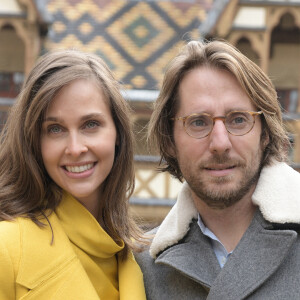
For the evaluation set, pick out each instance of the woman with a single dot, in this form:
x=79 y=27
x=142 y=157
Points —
x=66 y=175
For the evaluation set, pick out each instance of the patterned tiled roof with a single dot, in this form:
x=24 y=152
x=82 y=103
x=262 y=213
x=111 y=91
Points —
x=136 y=38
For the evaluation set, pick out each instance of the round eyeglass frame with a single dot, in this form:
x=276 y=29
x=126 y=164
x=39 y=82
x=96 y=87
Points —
x=222 y=118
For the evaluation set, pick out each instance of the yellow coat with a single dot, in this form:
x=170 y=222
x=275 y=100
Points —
x=33 y=268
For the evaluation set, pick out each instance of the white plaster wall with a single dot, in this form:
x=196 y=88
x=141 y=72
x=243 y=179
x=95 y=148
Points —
x=250 y=17
x=10 y=7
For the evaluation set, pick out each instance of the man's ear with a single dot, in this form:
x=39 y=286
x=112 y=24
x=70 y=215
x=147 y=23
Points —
x=172 y=148
x=265 y=139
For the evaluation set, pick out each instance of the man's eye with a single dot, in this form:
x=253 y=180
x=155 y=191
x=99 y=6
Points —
x=198 y=122
x=91 y=124
x=239 y=120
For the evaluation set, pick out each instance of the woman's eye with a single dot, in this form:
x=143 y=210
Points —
x=91 y=124
x=54 y=129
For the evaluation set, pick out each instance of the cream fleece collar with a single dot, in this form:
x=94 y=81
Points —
x=277 y=195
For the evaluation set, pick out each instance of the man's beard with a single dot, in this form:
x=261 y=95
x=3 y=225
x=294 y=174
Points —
x=220 y=198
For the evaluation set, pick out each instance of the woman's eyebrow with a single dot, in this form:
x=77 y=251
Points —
x=83 y=118
x=51 y=119
x=91 y=116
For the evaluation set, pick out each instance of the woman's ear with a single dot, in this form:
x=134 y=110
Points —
x=118 y=138
x=117 y=146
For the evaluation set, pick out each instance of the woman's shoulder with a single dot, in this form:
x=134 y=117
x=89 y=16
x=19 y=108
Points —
x=40 y=259
x=26 y=246
x=15 y=232
x=11 y=235
x=10 y=249
x=10 y=231
x=25 y=230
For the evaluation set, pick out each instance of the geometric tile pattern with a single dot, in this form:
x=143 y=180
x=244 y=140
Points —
x=137 y=39
x=140 y=35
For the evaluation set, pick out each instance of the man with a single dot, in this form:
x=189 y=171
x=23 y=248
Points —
x=234 y=231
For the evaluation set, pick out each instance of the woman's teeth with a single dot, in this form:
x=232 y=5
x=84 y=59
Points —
x=79 y=169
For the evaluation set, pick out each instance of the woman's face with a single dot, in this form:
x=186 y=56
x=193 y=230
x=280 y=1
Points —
x=78 y=141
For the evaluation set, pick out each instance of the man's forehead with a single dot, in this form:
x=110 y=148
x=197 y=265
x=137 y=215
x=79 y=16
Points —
x=219 y=91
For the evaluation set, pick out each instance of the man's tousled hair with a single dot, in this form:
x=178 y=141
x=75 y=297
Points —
x=219 y=55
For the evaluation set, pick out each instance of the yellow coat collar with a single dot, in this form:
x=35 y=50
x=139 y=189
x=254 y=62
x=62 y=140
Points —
x=41 y=261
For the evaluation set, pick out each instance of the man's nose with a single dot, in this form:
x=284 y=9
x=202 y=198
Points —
x=219 y=138
x=76 y=145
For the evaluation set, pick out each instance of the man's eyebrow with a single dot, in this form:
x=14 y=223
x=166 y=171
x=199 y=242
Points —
x=238 y=109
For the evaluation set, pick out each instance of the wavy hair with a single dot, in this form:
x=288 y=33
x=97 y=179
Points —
x=25 y=187
x=256 y=84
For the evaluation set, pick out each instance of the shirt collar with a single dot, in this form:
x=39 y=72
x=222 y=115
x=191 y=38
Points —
x=219 y=249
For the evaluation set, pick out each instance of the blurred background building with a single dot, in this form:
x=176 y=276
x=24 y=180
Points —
x=137 y=39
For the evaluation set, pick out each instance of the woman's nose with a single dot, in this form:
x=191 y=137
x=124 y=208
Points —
x=75 y=145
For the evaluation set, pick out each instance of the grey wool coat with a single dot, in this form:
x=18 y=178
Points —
x=265 y=265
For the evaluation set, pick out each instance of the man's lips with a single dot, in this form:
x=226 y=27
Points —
x=219 y=167
x=220 y=170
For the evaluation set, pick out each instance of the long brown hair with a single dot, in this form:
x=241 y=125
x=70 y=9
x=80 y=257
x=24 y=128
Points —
x=255 y=83
x=25 y=187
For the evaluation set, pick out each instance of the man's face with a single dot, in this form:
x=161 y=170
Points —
x=220 y=168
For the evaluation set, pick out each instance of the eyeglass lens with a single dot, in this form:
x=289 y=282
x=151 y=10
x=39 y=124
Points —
x=237 y=123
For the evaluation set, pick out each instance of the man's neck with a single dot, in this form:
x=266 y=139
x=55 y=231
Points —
x=229 y=224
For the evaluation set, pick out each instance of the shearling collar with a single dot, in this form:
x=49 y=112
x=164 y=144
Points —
x=277 y=195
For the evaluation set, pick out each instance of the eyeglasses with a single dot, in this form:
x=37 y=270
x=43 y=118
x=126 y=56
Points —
x=238 y=123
